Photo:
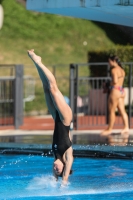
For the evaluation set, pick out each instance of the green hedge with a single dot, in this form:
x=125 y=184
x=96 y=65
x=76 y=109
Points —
x=125 y=53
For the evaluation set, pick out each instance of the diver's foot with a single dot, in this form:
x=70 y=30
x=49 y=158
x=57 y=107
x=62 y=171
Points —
x=33 y=56
x=125 y=131
x=106 y=132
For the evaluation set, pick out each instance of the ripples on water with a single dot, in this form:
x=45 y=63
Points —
x=30 y=177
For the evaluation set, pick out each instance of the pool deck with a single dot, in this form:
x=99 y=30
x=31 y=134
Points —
x=13 y=132
x=90 y=150
x=45 y=123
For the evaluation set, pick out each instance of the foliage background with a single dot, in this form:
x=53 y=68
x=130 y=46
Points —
x=58 y=40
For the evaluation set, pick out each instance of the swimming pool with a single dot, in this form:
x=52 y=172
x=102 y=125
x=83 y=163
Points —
x=30 y=177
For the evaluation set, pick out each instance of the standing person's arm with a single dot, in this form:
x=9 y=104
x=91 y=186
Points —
x=114 y=77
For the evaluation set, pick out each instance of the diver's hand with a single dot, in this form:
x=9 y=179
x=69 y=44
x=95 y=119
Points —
x=64 y=184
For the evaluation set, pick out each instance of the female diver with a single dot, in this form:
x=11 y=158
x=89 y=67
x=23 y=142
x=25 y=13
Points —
x=62 y=115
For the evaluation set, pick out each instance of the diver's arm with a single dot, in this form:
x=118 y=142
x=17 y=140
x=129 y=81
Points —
x=68 y=165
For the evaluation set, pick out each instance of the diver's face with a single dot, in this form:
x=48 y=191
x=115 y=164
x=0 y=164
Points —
x=58 y=167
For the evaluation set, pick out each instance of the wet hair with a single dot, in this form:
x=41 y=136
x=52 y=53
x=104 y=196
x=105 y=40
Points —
x=116 y=59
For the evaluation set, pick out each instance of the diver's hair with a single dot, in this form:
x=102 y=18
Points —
x=116 y=59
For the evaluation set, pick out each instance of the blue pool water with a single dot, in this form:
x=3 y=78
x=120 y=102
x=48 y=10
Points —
x=30 y=177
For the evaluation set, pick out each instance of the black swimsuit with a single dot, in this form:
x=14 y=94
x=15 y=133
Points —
x=61 y=140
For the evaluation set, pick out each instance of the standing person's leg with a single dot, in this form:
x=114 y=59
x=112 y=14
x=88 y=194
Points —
x=121 y=108
x=112 y=105
x=58 y=99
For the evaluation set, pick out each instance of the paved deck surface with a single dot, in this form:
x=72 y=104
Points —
x=39 y=129
x=45 y=123
x=95 y=151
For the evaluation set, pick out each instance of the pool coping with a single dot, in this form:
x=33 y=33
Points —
x=95 y=151
x=11 y=132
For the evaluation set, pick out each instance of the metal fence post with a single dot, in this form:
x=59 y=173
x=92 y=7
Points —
x=72 y=77
x=75 y=97
x=129 y=97
x=72 y=89
x=18 y=96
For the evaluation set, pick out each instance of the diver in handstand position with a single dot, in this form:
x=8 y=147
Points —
x=62 y=115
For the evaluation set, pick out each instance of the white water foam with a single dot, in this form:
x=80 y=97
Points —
x=47 y=186
x=43 y=182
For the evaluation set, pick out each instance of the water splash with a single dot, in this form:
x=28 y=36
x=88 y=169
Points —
x=48 y=186
x=32 y=179
x=43 y=182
